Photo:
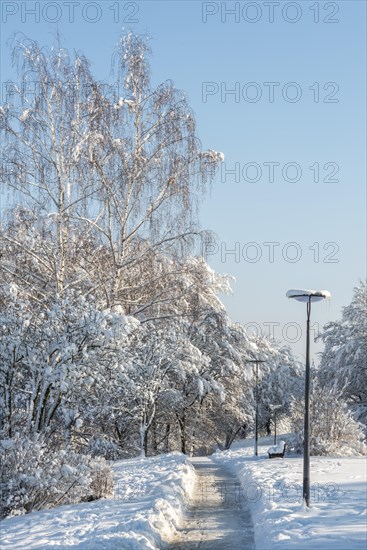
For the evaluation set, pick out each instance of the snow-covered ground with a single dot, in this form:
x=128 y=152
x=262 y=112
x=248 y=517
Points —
x=337 y=517
x=145 y=509
x=148 y=505
x=213 y=520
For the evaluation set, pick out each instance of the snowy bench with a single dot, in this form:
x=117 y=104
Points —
x=277 y=451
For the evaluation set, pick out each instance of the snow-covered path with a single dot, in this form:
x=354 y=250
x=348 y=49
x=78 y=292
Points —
x=216 y=518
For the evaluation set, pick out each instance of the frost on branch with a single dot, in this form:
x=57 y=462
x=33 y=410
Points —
x=211 y=156
x=210 y=160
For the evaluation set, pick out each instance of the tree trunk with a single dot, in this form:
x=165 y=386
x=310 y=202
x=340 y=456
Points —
x=166 y=438
x=244 y=430
x=154 y=437
x=181 y=423
x=146 y=442
x=268 y=426
x=143 y=438
x=230 y=437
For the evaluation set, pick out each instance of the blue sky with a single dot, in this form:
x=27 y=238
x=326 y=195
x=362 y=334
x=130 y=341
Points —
x=296 y=135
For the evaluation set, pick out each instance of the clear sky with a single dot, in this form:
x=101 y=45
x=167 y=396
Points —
x=290 y=201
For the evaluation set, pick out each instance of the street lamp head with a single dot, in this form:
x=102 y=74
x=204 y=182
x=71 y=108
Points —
x=308 y=295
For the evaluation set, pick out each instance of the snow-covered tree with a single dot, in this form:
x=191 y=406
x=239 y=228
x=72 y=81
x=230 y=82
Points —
x=123 y=170
x=48 y=358
x=343 y=362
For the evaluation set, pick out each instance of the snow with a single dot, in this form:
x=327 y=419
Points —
x=275 y=449
x=25 y=115
x=78 y=423
x=304 y=295
x=216 y=156
x=123 y=101
x=150 y=495
x=68 y=470
x=145 y=509
x=337 y=517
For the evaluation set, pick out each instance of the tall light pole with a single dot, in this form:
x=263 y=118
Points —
x=307 y=296
x=256 y=362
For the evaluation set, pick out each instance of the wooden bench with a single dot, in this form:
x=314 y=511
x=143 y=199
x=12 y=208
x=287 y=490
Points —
x=277 y=451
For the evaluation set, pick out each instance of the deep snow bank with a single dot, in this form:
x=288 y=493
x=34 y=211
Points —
x=273 y=489
x=147 y=504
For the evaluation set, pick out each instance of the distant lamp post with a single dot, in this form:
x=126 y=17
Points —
x=256 y=363
x=274 y=408
x=307 y=296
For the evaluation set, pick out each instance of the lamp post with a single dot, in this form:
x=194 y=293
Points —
x=256 y=363
x=307 y=296
x=274 y=408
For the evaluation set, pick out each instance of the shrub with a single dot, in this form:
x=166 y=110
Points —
x=34 y=477
x=333 y=430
